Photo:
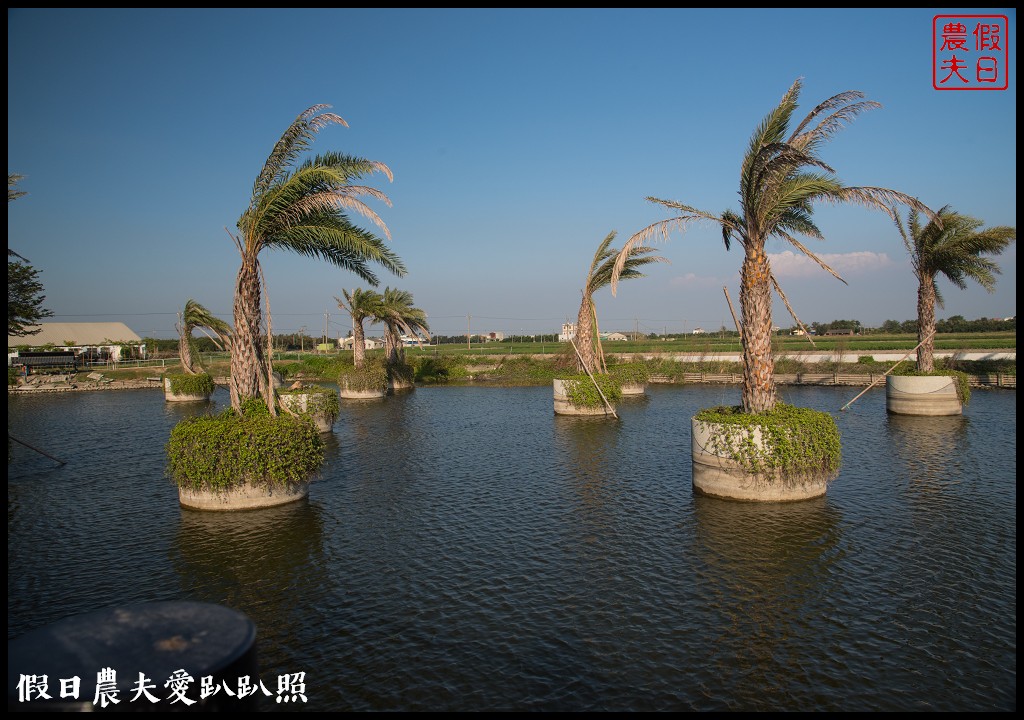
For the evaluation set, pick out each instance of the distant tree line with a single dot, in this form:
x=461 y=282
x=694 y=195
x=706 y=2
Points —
x=955 y=324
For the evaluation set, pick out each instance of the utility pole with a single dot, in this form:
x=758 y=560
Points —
x=469 y=337
x=327 y=317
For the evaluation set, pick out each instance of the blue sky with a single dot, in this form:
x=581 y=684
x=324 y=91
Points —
x=519 y=138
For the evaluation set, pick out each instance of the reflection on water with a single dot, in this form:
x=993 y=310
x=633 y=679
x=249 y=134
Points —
x=257 y=562
x=466 y=549
x=772 y=568
x=931 y=448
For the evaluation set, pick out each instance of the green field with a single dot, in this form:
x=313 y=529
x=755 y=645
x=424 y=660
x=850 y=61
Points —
x=708 y=344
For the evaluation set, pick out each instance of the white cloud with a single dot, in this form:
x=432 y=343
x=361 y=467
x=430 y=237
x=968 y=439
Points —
x=694 y=281
x=792 y=264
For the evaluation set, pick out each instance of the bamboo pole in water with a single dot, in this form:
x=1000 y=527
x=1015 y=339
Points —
x=22 y=442
x=886 y=372
x=607 y=404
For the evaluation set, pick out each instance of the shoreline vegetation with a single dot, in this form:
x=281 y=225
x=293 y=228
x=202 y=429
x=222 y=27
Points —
x=845 y=363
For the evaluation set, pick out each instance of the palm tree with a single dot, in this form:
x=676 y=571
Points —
x=400 y=317
x=362 y=305
x=952 y=245
x=780 y=179
x=301 y=208
x=196 y=316
x=599 y=275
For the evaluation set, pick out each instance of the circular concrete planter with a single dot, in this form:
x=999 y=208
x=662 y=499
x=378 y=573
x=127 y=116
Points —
x=299 y=403
x=634 y=389
x=922 y=395
x=399 y=385
x=241 y=497
x=347 y=394
x=563 y=406
x=717 y=473
x=174 y=397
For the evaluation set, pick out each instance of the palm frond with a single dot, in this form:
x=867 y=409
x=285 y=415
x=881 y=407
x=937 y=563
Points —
x=325 y=203
x=802 y=248
x=12 y=181
x=293 y=143
x=837 y=100
x=664 y=228
x=396 y=310
x=876 y=198
x=636 y=258
x=360 y=304
x=600 y=255
x=195 y=315
x=340 y=243
x=832 y=124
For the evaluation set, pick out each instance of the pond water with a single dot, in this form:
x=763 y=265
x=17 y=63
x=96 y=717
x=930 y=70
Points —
x=465 y=550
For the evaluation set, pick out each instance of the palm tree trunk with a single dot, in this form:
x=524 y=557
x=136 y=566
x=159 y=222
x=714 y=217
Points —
x=756 y=308
x=185 y=351
x=585 y=336
x=358 y=344
x=597 y=339
x=391 y=341
x=926 y=324
x=246 y=352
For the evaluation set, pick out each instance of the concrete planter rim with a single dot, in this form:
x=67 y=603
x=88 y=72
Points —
x=716 y=473
x=242 y=496
x=176 y=397
x=324 y=421
x=563 y=406
x=922 y=395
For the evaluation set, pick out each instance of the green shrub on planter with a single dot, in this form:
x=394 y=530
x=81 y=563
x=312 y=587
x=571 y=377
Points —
x=402 y=372
x=222 y=451
x=581 y=392
x=372 y=376
x=795 y=441
x=320 y=400
x=960 y=379
x=184 y=384
x=630 y=373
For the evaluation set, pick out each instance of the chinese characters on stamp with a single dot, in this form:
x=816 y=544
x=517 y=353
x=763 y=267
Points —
x=970 y=52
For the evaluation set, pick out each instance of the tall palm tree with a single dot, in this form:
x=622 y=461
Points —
x=362 y=305
x=196 y=316
x=599 y=275
x=781 y=177
x=952 y=245
x=400 y=317
x=301 y=208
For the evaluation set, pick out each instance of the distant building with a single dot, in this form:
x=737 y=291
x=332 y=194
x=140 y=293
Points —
x=494 y=337
x=100 y=341
x=699 y=331
x=614 y=337
x=797 y=331
x=568 y=332
x=370 y=343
